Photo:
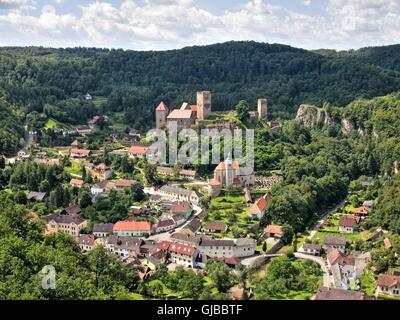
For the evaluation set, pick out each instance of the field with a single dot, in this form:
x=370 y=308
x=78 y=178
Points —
x=231 y=210
x=75 y=169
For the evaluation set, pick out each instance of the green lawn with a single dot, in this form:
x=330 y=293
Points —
x=368 y=283
x=75 y=168
x=350 y=237
x=231 y=210
x=99 y=100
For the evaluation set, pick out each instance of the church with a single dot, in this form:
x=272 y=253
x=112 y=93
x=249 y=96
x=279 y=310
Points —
x=187 y=114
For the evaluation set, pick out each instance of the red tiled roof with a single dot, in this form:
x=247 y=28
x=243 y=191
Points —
x=75 y=143
x=132 y=226
x=259 y=205
x=165 y=223
x=222 y=165
x=215 y=225
x=124 y=183
x=193 y=107
x=138 y=150
x=81 y=151
x=180 y=114
x=76 y=182
x=162 y=107
x=180 y=206
x=347 y=222
x=273 y=229
x=185 y=172
x=214 y=182
x=362 y=211
x=182 y=249
x=163 y=245
x=388 y=281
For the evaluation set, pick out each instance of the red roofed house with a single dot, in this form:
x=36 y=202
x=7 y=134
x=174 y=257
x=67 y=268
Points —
x=138 y=151
x=214 y=188
x=273 y=231
x=124 y=183
x=182 y=209
x=257 y=210
x=362 y=211
x=102 y=172
x=75 y=144
x=165 y=225
x=132 y=228
x=388 y=285
x=347 y=225
x=76 y=183
x=179 y=253
x=187 y=174
x=80 y=153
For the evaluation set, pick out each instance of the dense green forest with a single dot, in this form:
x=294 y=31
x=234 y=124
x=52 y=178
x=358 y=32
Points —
x=53 y=81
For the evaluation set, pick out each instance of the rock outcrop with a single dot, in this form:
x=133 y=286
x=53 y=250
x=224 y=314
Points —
x=347 y=126
x=310 y=116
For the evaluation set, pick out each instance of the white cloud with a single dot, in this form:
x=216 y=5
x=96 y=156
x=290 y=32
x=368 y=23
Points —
x=306 y=2
x=165 y=24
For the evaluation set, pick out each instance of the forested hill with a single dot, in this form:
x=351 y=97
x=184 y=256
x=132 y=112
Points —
x=53 y=81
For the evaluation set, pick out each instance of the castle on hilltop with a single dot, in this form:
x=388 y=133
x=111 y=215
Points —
x=187 y=114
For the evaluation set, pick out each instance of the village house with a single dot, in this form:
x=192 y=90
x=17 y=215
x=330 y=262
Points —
x=102 y=172
x=103 y=230
x=76 y=183
x=124 y=246
x=273 y=231
x=36 y=196
x=79 y=153
x=124 y=183
x=230 y=173
x=101 y=189
x=346 y=268
x=187 y=174
x=86 y=242
x=182 y=209
x=193 y=226
x=325 y=293
x=257 y=210
x=68 y=221
x=331 y=242
x=215 y=227
x=179 y=253
x=165 y=171
x=138 y=151
x=388 y=285
x=154 y=260
x=361 y=211
x=214 y=188
x=242 y=247
x=165 y=225
x=76 y=144
x=84 y=130
x=347 y=224
x=311 y=248
x=180 y=194
x=187 y=239
x=132 y=228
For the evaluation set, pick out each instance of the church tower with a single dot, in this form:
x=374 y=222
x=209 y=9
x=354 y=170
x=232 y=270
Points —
x=162 y=112
x=262 y=109
x=229 y=174
x=203 y=104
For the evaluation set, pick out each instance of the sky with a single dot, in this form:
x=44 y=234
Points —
x=173 y=24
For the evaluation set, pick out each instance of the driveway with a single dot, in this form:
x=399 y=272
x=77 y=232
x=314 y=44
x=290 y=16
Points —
x=327 y=279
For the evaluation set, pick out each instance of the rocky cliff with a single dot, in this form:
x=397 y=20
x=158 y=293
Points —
x=310 y=116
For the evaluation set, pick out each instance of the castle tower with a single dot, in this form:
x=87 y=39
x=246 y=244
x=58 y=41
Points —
x=262 y=108
x=162 y=112
x=229 y=176
x=203 y=104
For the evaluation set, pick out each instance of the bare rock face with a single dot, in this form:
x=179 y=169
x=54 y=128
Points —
x=310 y=116
x=347 y=126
